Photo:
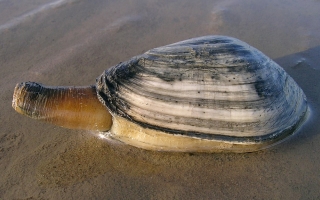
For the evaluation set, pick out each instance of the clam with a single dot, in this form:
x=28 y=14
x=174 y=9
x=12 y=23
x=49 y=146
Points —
x=206 y=94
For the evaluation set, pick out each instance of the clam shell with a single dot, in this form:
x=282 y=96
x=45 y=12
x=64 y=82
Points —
x=212 y=88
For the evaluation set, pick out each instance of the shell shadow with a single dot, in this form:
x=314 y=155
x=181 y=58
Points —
x=304 y=68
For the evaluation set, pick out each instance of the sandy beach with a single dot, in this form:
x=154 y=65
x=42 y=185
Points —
x=71 y=42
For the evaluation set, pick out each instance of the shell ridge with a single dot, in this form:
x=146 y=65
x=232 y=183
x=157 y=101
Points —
x=271 y=137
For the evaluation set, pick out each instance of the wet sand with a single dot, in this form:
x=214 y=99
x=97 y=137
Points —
x=71 y=42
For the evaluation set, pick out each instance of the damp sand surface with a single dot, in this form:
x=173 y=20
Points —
x=71 y=42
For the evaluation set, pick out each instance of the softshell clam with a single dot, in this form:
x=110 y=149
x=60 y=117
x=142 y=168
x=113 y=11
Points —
x=210 y=94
